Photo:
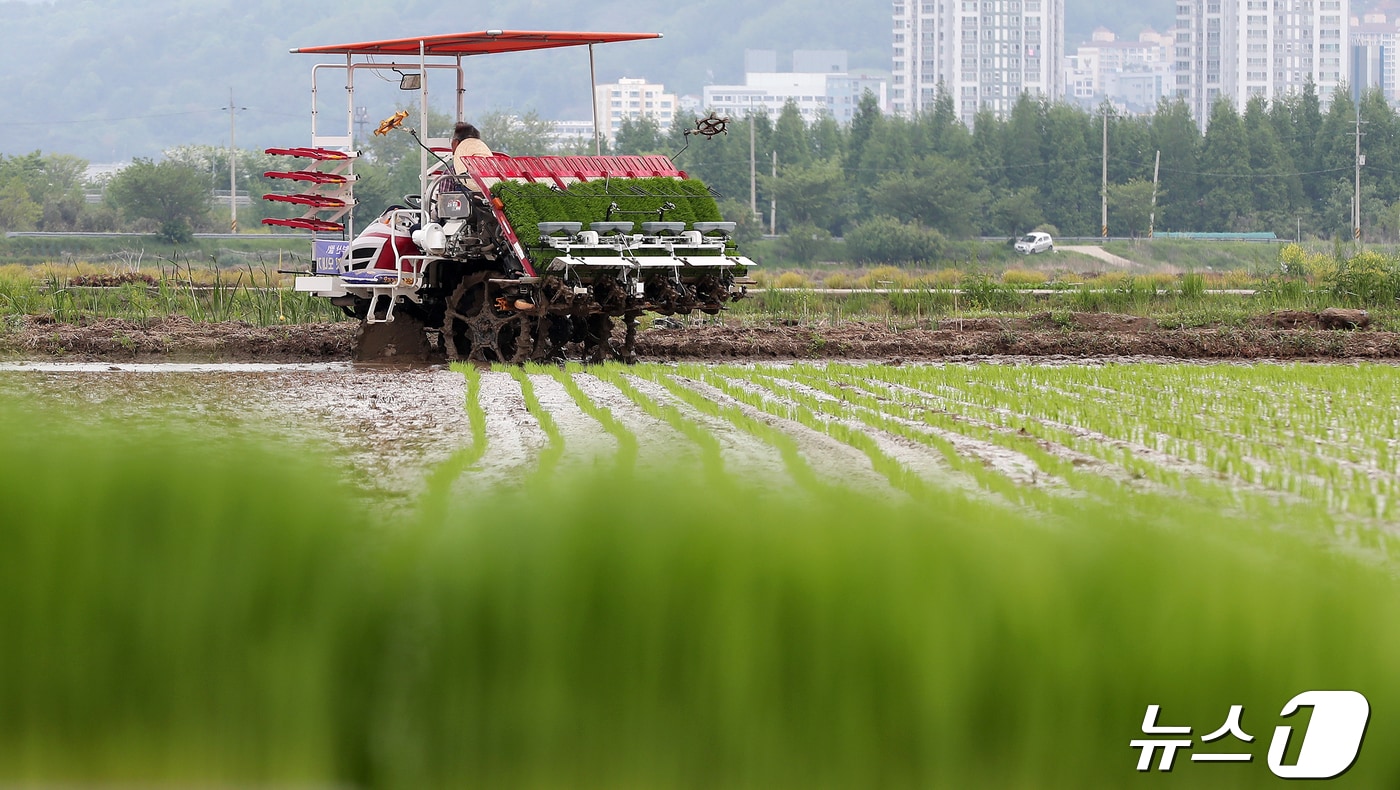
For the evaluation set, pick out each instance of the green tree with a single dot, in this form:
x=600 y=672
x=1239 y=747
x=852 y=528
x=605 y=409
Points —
x=1016 y=212
x=1021 y=137
x=790 y=137
x=828 y=139
x=888 y=240
x=947 y=135
x=1226 y=170
x=1129 y=206
x=517 y=135
x=18 y=212
x=1276 y=186
x=804 y=243
x=171 y=194
x=1299 y=126
x=1070 y=187
x=938 y=192
x=640 y=137
x=1130 y=150
x=54 y=183
x=1380 y=143
x=865 y=124
x=1175 y=134
x=811 y=194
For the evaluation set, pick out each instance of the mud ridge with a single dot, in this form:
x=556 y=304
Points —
x=1083 y=335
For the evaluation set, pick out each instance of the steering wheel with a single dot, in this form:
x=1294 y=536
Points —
x=413 y=201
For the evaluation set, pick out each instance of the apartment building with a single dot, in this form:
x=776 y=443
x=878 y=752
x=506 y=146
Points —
x=1244 y=48
x=1130 y=74
x=985 y=53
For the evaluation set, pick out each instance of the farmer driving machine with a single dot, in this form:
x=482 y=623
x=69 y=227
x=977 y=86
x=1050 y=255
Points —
x=505 y=258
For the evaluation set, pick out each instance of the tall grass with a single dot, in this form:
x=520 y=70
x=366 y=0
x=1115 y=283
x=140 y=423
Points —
x=210 y=293
x=177 y=610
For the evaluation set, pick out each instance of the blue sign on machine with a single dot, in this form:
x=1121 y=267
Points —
x=326 y=255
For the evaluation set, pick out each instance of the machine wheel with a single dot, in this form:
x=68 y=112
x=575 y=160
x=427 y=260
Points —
x=474 y=330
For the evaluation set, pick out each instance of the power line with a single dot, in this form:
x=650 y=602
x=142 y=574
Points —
x=113 y=120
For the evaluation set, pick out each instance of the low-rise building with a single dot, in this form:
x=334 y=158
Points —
x=819 y=83
x=630 y=98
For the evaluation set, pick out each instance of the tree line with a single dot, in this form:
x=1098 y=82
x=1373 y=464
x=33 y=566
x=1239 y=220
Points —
x=896 y=188
x=1284 y=166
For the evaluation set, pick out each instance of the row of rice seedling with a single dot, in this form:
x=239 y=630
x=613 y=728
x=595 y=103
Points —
x=549 y=458
x=1197 y=430
x=711 y=455
x=796 y=465
x=199 y=615
x=1270 y=440
x=885 y=408
x=439 y=483
x=626 y=460
x=806 y=412
x=893 y=390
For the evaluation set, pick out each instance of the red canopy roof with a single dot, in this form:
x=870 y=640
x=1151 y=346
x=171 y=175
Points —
x=482 y=43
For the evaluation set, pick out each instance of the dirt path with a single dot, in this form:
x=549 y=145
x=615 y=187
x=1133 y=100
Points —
x=1113 y=260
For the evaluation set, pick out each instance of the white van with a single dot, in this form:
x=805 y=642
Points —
x=1034 y=242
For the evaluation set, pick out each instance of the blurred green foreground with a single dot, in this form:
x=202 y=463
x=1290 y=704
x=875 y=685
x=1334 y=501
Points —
x=191 y=612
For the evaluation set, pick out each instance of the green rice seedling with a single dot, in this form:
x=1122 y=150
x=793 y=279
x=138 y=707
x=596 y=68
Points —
x=711 y=458
x=440 y=482
x=199 y=616
x=170 y=607
x=549 y=457
x=807 y=411
x=796 y=465
x=626 y=439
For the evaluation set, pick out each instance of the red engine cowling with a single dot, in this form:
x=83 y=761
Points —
x=380 y=245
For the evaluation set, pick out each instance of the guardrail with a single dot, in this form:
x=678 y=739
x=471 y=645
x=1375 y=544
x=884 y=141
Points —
x=36 y=234
x=1095 y=240
x=1001 y=288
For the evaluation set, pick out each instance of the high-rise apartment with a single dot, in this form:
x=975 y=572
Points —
x=1374 y=40
x=986 y=53
x=1244 y=48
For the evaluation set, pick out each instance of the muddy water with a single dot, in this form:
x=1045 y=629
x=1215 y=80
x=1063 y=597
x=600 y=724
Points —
x=383 y=429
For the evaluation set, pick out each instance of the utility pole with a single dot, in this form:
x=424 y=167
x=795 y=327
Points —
x=1105 y=173
x=232 y=163
x=1356 y=196
x=773 y=205
x=1152 y=215
x=753 y=165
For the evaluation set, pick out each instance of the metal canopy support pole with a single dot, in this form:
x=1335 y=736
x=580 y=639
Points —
x=350 y=135
x=423 y=123
x=461 y=91
x=350 y=99
x=593 y=83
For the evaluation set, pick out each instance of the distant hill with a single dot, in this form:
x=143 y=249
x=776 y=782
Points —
x=112 y=79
